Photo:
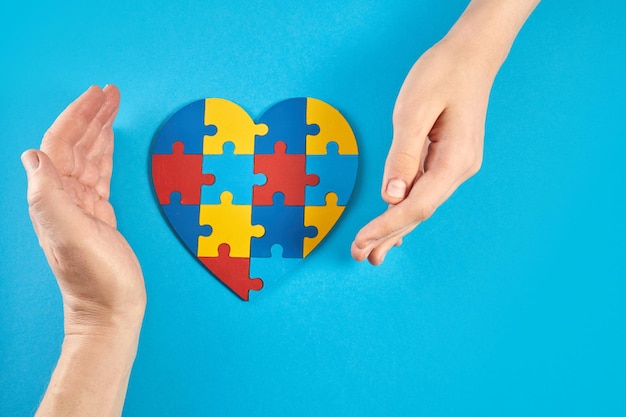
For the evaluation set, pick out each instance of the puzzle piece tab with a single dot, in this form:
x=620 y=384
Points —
x=231 y=224
x=233 y=272
x=233 y=173
x=284 y=225
x=233 y=125
x=333 y=127
x=337 y=174
x=180 y=172
x=286 y=174
x=323 y=218
x=287 y=122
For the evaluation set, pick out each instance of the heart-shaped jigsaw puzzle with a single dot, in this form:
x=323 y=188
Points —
x=250 y=199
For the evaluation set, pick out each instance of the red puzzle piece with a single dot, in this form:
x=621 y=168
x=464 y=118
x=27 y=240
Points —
x=233 y=272
x=286 y=173
x=180 y=172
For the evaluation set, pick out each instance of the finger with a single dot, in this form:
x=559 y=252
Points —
x=68 y=129
x=99 y=135
x=97 y=159
x=92 y=146
x=362 y=249
x=52 y=210
x=406 y=154
x=428 y=193
x=364 y=241
x=378 y=254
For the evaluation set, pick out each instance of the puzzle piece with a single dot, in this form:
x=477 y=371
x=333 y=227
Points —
x=231 y=224
x=287 y=122
x=186 y=125
x=286 y=173
x=233 y=173
x=233 y=125
x=185 y=220
x=323 y=218
x=337 y=173
x=284 y=225
x=180 y=172
x=333 y=127
x=233 y=272
x=271 y=269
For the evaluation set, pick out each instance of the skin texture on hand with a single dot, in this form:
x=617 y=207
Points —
x=439 y=120
x=68 y=190
x=97 y=272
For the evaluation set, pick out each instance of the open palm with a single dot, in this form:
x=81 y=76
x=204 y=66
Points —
x=68 y=194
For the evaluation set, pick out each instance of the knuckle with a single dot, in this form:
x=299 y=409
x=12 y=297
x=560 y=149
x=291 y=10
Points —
x=36 y=199
x=476 y=167
x=404 y=162
x=470 y=161
x=424 y=211
x=389 y=229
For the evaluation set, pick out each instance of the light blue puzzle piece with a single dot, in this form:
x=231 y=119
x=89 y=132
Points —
x=271 y=269
x=337 y=174
x=233 y=173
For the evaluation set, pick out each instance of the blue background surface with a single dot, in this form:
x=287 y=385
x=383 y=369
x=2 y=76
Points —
x=510 y=300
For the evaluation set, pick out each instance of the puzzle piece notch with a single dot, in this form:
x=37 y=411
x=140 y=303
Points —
x=337 y=174
x=284 y=225
x=185 y=220
x=179 y=171
x=233 y=124
x=323 y=218
x=271 y=269
x=234 y=272
x=333 y=127
x=286 y=174
x=233 y=173
x=287 y=122
x=187 y=126
x=232 y=224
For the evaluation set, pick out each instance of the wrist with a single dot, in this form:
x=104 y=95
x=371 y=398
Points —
x=487 y=29
x=88 y=320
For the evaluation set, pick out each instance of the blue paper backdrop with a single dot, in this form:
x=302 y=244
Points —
x=509 y=301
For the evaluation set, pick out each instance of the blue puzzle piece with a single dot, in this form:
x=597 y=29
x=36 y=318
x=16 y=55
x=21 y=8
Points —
x=234 y=173
x=187 y=126
x=284 y=225
x=271 y=269
x=337 y=174
x=185 y=219
x=287 y=123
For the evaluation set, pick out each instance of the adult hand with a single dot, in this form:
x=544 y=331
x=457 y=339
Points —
x=439 y=120
x=68 y=191
x=97 y=272
x=438 y=125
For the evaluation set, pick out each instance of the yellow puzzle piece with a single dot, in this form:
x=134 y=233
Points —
x=333 y=128
x=322 y=217
x=231 y=224
x=233 y=125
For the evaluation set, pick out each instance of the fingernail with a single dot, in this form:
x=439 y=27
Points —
x=30 y=160
x=396 y=188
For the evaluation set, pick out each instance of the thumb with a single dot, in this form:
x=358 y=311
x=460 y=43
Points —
x=51 y=208
x=403 y=166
